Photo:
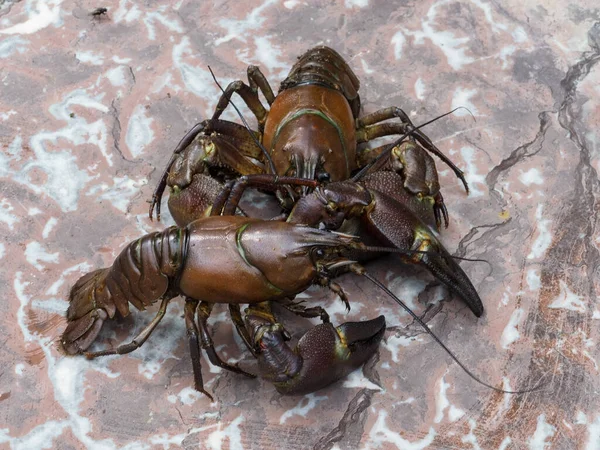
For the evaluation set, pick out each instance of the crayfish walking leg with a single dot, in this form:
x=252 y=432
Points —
x=194 y=344
x=249 y=94
x=207 y=344
x=369 y=128
x=139 y=340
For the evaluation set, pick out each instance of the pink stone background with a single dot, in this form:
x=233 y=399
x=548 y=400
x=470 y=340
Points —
x=90 y=110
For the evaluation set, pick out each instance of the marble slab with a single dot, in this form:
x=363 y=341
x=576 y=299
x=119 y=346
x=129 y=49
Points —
x=90 y=110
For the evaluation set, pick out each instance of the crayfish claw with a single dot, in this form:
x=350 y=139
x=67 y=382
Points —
x=442 y=266
x=325 y=354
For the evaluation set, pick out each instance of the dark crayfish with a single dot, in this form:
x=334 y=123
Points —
x=311 y=131
x=232 y=259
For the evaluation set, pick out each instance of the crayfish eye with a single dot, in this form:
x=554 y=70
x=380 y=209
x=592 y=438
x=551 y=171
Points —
x=319 y=253
x=323 y=177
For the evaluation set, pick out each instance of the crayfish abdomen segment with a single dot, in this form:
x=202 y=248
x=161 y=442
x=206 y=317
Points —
x=324 y=66
x=141 y=274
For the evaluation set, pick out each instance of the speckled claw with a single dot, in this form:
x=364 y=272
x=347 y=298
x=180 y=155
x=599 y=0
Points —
x=323 y=355
x=442 y=266
x=394 y=223
x=211 y=145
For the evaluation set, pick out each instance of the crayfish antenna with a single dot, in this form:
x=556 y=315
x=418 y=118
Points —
x=359 y=270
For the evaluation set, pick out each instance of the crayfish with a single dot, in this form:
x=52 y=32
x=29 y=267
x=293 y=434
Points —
x=306 y=150
x=234 y=260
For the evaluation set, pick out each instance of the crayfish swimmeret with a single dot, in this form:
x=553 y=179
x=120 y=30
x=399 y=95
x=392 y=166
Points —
x=306 y=150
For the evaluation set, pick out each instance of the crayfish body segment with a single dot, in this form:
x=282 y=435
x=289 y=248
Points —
x=228 y=259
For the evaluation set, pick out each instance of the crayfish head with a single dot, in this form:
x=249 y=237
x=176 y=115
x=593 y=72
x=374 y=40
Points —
x=290 y=256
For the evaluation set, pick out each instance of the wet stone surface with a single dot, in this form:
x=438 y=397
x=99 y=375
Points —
x=90 y=109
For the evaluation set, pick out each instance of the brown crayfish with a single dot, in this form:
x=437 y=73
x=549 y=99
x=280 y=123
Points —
x=306 y=150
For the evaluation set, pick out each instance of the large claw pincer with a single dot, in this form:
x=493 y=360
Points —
x=323 y=355
x=394 y=224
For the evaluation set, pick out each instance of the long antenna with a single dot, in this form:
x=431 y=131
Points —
x=361 y=271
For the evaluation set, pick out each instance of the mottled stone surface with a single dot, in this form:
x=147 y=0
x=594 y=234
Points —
x=90 y=109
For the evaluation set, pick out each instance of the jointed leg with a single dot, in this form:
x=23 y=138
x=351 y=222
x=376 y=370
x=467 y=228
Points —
x=139 y=340
x=249 y=94
x=230 y=196
x=300 y=310
x=238 y=321
x=390 y=113
x=194 y=344
x=369 y=128
x=256 y=80
x=325 y=281
x=207 y=344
